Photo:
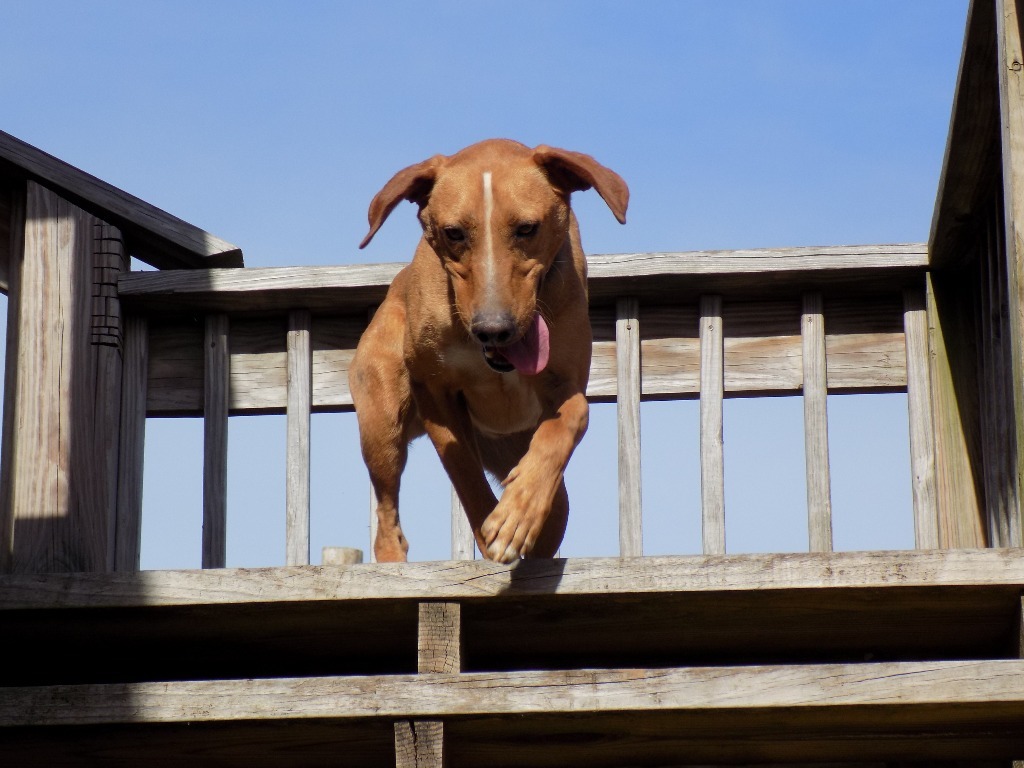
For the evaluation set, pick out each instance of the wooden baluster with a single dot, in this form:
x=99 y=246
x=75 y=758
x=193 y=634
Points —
x=215 y=441
x=300 y=392
x=134 y=388
x=819 y=494
x=922 y=435
x=712 y=391
x=627 y=345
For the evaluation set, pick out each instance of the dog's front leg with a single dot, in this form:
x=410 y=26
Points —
x=512 y=530
x=448 y=426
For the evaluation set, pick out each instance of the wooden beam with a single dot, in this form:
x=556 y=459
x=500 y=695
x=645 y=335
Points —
x=485 y=580
x=215 y=442
x=463 y=541
x=926 y=693
x=819 y=495
x=627 y=344
x=664 y=277
x=300 y=388
x=158 y=237
x=712 y=479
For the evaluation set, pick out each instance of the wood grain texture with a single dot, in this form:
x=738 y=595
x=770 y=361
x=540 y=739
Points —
x=712 y=385
x=128 y=531
x=419 y=744
x=11 y=356
x=215 y=441
x=300 y=387
x=922 y=433
x=463 y=541
x=665 y=277
x=920 y=692
x=1010 y=58
x=819 y=494
x=628 y=386
x=439 y=644
x=482 y=579
x=63 y=425
x=160 y=238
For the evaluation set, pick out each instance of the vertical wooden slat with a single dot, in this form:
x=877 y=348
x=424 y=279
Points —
x=420 y=743
x=373 y=523
x=819 y=494
x=215 y=441
x=134 y=380
x=712 y=389
x=463 y=543
x=1010 y=57
x=922 y=436
x=300 y=392
x=627 y=345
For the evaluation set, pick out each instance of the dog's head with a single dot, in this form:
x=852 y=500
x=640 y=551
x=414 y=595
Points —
x=497 y=214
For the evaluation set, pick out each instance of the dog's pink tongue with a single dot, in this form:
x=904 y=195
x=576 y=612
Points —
x=529 y=355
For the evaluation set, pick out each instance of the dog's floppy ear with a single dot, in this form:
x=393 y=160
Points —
x=575 y=172
x=413 y=183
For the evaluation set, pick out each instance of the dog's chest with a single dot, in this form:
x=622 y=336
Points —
x=499 y=404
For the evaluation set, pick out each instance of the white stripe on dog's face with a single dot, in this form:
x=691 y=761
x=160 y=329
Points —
x=488 y=236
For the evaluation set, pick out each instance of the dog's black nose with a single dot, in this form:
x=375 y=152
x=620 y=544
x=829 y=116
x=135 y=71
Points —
x=493 y=328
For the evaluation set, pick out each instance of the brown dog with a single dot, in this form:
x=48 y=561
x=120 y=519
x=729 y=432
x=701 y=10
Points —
x=483 y=342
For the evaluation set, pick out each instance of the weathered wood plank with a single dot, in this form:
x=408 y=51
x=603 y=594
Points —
x=483 y=579
x=819 y=495
x=215 y=442
x=922 y=433
x=300 y=386
x=439 y=645
x=661 y=276
x=128 y=530
x=628 y=386
x=712 y=479
x=1010 y=58
x=160 y=238
x=463 y=541
x=921 y=692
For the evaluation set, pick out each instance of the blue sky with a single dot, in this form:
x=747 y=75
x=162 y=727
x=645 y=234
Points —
x=743 y=124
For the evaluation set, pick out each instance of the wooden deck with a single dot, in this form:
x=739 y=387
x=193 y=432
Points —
x=804 y=657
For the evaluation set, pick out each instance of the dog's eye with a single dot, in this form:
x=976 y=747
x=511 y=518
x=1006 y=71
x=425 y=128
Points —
x=454 y=234
x=526 y=230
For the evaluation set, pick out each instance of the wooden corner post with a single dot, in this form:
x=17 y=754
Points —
x=62 y=404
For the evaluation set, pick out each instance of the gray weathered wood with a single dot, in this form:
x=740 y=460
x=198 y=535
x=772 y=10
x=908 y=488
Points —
x=463 y=541
x=1010 y=58
x=159 y=238
x=62 y=430
x=922 y=435
x=11 y=356
x=663 y=276
x=483 y=579
x=819 y=495
x=712 y=478
x=627 y=343
x=300 y=388
x=128 y=532
x=215 y=442
x=419 y=744
x=919 y=692
x=341 y=556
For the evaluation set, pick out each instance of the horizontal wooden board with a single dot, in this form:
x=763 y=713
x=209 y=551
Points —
x=153 y=235
x=646 y=276
x=763 y=354
x=479 y=579
x=940 y=692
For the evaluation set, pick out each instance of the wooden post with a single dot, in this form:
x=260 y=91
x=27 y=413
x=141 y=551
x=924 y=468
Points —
x=627 y=345
x=712 y=392
x=420 y=743
x=1010 y=59
x=128 y=533
x=300 y=392
x=819 y=494
x=65 y=367
x=215 y=442
x=922 y=434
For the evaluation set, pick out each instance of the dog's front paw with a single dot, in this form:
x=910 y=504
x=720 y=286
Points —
x=511 y=530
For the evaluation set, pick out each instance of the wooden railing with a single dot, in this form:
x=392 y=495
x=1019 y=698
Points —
x=707 y=325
